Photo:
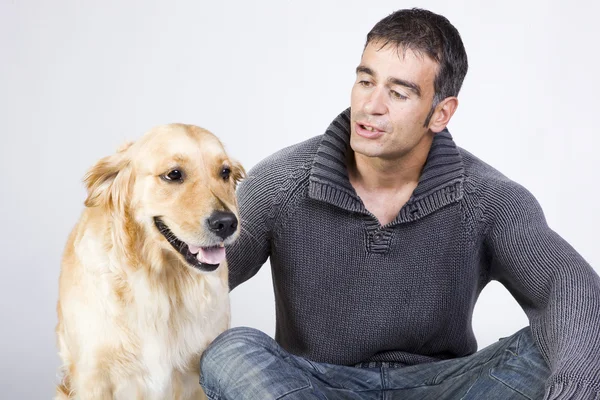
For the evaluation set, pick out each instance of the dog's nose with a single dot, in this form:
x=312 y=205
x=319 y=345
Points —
x=222 y=223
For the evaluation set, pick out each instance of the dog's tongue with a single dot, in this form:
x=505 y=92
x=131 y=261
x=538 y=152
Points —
x=208 y=255
x=211 y=255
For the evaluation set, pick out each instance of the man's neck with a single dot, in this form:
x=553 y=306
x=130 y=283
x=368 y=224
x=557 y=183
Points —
x=385 y=185
x=388 y=174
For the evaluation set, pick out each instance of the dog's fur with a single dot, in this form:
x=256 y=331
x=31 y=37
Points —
x=133 y=315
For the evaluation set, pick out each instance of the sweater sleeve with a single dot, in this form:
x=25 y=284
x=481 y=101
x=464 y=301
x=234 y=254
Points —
x=555 y=286
x=252 y=248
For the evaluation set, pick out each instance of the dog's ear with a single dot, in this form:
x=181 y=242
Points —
x=106 y=181
x=237 y=172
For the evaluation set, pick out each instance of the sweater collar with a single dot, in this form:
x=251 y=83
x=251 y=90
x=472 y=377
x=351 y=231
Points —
x=440 y=184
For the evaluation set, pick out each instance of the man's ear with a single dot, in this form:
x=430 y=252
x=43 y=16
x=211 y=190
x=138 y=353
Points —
x=237 y=172
x=442 y=114
x=100 y=179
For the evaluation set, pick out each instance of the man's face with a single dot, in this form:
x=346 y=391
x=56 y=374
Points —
x=391 y=99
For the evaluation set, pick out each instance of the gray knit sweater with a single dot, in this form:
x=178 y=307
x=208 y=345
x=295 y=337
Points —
x=348 y=290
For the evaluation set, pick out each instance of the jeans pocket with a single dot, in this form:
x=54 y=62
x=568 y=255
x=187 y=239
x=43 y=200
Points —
x=524 y=373
x=283 y=391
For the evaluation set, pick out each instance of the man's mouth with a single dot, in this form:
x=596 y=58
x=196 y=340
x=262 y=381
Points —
x=203 y=258
x=368 y=131
x=369 y=128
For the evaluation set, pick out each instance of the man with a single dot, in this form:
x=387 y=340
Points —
x=381 y=235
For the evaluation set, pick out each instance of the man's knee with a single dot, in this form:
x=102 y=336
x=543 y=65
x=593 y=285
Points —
x=233 y=357
x=224 y=354
x=232 y=340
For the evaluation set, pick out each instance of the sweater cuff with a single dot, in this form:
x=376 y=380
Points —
x=572 y=390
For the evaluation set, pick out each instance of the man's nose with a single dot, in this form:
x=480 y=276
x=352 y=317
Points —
x=376 y=102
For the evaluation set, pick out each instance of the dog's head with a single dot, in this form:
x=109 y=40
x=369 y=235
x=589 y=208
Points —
x=174 y=188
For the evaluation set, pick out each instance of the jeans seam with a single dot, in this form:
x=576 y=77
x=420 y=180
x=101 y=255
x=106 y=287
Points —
x=480 y=365
x=507 y=385
x=309 y=386
x=314 y=365
x=516 y=346
x=435 y=382
x=474 y=382
x=210 y=393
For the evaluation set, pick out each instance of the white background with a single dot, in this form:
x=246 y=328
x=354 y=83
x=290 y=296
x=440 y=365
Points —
x=79 y=78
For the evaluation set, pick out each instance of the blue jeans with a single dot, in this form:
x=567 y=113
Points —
x=244 y=363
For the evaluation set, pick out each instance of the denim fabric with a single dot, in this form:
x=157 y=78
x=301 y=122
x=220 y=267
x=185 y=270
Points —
x=246 y=364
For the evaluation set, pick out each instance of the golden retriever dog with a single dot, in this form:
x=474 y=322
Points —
x=143 y=286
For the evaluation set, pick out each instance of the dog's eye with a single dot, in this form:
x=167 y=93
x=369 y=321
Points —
x=225 y=172
x=175 y=175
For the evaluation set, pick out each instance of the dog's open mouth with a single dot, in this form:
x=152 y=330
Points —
x=203 y=258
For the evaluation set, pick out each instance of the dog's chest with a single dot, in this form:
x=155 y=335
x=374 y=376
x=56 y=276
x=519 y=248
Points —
x=172 y=333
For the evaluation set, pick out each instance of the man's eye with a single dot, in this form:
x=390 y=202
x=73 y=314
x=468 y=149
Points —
x=175 y=175
x=225 y=173
x=365 y=83
x=397 y=95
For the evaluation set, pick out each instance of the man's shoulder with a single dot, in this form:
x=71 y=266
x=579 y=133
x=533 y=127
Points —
x=478 y=170
x=491 y=185
x=292 y=156
x=290 y=163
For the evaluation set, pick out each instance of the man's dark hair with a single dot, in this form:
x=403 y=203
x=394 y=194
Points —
x=429 y=34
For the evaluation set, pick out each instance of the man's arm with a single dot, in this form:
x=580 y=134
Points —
x=251 y=250
x=555 y=286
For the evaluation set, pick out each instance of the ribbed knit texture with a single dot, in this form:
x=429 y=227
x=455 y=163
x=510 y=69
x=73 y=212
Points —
x=348 y=290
